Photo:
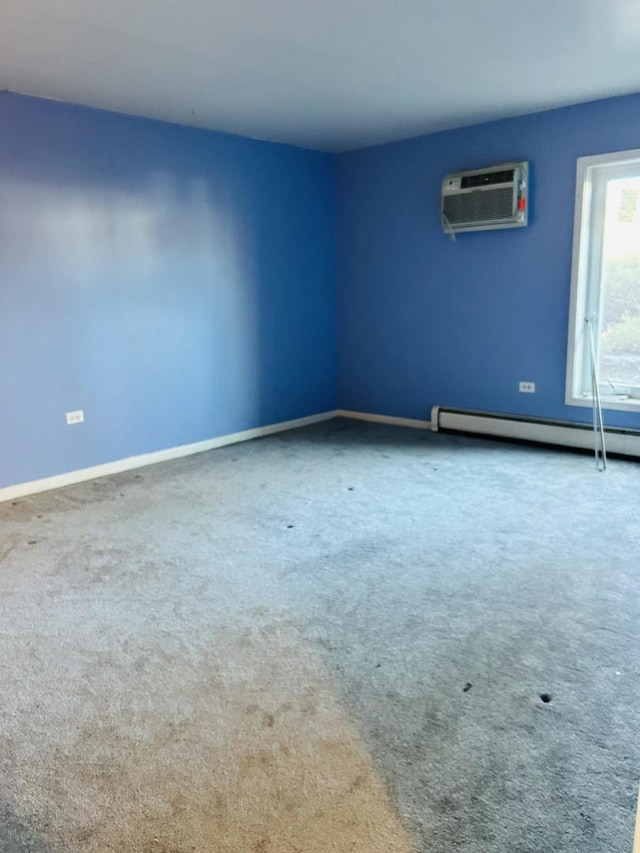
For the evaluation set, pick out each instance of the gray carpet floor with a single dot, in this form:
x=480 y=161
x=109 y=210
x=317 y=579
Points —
x=334 y=639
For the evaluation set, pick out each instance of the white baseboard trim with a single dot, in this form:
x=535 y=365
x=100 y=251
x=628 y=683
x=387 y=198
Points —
x=384 y=419
x=70 y=478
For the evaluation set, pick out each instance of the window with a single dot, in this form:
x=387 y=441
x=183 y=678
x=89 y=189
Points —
x=604 y=331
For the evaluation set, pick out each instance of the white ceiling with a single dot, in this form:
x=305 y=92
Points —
x=327 y=74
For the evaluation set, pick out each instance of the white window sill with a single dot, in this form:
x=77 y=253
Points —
x=618 y=403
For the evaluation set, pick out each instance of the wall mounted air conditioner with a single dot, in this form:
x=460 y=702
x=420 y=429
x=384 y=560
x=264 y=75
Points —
x=484 y=199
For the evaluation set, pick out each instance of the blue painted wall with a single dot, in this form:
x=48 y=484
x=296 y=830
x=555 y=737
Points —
x=425 y=321
x=176 y=284
x=179 y=284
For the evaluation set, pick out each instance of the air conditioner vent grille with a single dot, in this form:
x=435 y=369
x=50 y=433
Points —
x=479 y=206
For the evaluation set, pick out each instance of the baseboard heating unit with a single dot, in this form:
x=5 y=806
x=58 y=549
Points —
x=564 y=433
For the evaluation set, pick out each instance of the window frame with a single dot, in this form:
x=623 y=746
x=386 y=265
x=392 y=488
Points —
x=587 y=253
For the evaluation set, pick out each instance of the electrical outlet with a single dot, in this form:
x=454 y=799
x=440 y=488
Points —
x=76 y=417
x=527 y=387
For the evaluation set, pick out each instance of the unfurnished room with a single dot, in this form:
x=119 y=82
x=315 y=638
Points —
x=319 y=426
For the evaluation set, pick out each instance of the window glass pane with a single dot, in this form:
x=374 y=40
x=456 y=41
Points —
x=620 y=287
